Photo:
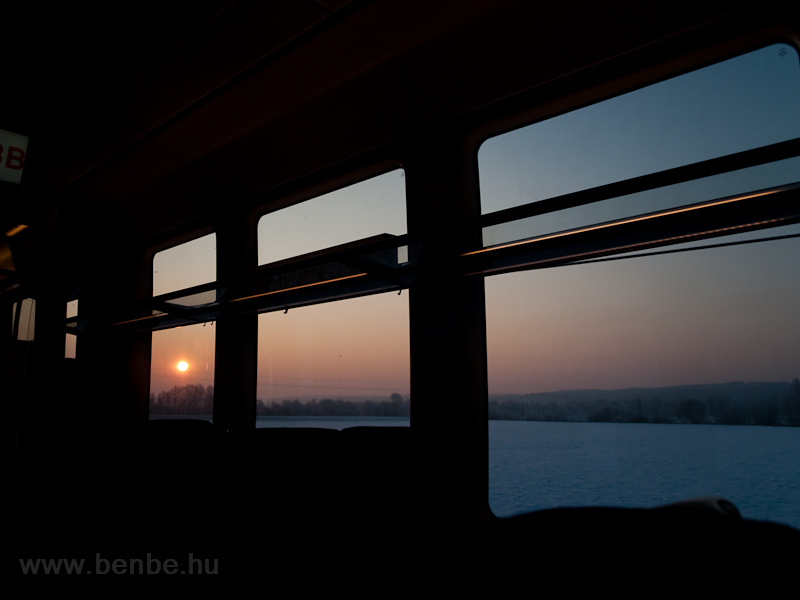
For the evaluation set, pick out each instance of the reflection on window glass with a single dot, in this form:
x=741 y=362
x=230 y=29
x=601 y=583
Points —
x=365 y=209
x=182 y=371
x=648 y=380
x=186 y=265
x=72 y=309
x=335 y=365
x=70 y=345
x=735 y=105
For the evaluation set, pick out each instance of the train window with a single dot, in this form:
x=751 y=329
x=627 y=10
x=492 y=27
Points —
x=345 y=362
x=735 y=105
x=186 y=265
x=707 y=189
x=182 y=358
x=641 y=378
x=182 y=372
x=336 y=364
x=650 y=379
x=371 y=207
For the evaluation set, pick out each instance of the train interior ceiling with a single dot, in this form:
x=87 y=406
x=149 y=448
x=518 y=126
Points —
x=151 y=124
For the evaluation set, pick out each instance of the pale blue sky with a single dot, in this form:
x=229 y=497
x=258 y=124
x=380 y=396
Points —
x=738 y=104
x=186 y=265
x=371 y=207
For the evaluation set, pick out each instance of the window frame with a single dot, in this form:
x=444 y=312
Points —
x=457 y=182
x=145 y=312
x=621 y=77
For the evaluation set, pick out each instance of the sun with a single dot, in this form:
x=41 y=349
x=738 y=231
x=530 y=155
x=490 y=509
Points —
x=183 y=365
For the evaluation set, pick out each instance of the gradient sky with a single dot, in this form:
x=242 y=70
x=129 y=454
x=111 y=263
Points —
x=707 y=316
x=356 y=347
x=186 y=265
x=191 y=343
x=738 y=104
x=338 y=349
x=696 y=317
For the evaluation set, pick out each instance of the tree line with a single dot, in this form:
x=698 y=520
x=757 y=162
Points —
x=190 y=399
x=196 y=399
x=395 y=406
x=776 y=409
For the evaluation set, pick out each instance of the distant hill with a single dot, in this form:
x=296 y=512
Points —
x=734 y=389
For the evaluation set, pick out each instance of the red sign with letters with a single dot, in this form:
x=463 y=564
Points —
x=13 y=147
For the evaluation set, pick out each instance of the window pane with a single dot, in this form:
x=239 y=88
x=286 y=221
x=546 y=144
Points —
x=649 y=380
x=70 y=345
x=72 y=309
x=336 y=364
x=362 y=210
x=735 y=105
x=182 y=371
x=659 y=375
x=734 y=183
x=182 y=358
x=186 y=265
